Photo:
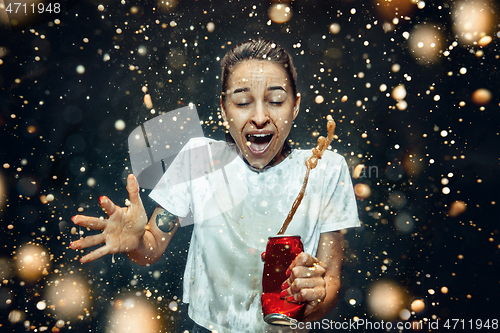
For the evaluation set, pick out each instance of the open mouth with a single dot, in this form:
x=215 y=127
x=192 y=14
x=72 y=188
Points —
x=258 y=143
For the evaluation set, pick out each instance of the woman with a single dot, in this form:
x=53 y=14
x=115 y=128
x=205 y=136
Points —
x=222 y=280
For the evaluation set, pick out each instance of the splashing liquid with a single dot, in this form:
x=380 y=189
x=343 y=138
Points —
x=311 y=163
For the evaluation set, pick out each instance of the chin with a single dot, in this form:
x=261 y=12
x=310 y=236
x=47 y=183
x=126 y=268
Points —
x=257 y=164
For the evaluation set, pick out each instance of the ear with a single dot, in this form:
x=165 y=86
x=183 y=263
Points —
x=223 y=109
x=296 y=106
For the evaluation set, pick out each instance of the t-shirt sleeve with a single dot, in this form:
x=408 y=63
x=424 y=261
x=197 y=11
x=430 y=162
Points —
x=173 y=191
x=341 y=209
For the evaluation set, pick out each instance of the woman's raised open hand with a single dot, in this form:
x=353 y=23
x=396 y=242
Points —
x=122 y=230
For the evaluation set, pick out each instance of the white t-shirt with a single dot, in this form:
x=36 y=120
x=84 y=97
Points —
x=235 y=210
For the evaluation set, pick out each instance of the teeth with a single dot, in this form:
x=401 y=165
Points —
x=258 y=135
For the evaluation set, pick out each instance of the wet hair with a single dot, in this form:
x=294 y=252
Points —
x=257 y=49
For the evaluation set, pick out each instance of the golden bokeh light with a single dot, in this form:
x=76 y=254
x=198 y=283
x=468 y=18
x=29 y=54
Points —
x=357 y=171
x=457 y=208
x=385 y=299
x=481 y=96
x=16 y=316
x=362 y=191
x=280 y=13
x=418 y=305
x=472 y=20
x=484 y=41
x=425 y=43
x=391 y=9
x=399 y=92
x=335 y=28
x=147 y=101
x=166 y=6
x=32 y=262
x=69 y=296
x=133 y=315
x=412 y=165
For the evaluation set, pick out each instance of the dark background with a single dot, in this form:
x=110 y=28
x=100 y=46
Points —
x=58 y=135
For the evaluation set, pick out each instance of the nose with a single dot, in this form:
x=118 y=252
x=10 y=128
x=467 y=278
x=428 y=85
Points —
x=260 y=116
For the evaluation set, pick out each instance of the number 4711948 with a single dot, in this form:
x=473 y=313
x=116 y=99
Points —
x=472 y=324
x=40 y=8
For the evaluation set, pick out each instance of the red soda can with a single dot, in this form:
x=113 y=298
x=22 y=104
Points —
x=281 y=251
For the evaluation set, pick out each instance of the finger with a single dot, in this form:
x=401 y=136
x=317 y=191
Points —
x=302 y=259
x=94 y=255
x=94 y=223
x=306 y=272
x=87 y=242
x=301 y=283
x=308 y=295
x=108 y=205
x=133 y=190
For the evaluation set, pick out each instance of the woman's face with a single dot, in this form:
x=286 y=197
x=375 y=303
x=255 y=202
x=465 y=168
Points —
x=259 y=109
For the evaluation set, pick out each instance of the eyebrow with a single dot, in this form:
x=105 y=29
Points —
x=239 y=90
x=276 y=88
